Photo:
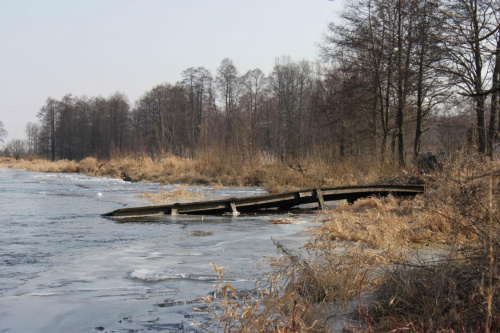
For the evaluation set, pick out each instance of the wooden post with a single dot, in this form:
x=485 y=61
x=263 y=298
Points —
x=174 y=210
x=321 y=201
x=233 y=208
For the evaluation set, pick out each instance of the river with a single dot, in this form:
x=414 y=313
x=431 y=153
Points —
x=64 y=268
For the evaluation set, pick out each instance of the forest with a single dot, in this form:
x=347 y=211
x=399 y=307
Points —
x=394 y=78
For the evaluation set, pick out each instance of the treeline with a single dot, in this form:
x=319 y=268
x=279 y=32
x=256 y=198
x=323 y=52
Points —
x=241 y=113
x=414 y=59
x=394 y=70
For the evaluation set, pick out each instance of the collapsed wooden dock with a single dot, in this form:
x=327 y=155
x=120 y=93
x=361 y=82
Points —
x=283 y=201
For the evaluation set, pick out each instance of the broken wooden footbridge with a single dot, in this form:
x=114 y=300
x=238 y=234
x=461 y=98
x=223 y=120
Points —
x=283 y=201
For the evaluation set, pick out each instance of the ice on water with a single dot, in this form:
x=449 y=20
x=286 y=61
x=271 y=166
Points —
x=72 y=270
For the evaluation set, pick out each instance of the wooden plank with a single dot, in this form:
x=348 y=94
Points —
x=193 y=207
x=283 y=200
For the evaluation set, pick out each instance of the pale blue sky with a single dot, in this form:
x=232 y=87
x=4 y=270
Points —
x=51 y=48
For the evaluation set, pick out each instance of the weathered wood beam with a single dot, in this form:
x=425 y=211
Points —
x=321 y=201
x=280 y=201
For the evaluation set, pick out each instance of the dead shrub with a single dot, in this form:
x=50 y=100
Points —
x=255 y=176
x=89 y=165
x=297 y=291
x=449 y=294
x=261 y=312
x=324 y=273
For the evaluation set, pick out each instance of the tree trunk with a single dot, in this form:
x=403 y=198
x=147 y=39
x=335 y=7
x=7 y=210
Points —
x=492 y=130
x=481 y=130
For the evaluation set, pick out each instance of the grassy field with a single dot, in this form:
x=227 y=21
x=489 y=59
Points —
x=368 y=261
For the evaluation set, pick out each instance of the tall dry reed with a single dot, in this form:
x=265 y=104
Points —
x=219 y=166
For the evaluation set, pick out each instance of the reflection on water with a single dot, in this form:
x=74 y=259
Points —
x=63 y=268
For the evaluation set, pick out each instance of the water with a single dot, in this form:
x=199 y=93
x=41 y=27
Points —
x=63 y=268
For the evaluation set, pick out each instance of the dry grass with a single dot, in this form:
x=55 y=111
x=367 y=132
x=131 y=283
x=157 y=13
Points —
x=361 y=251
x=281 y=221
x=180 y=194
x=262 y=312
x=218 y=167
x=360 y=257
x=304 y=293
x=462 y=291
x=168 y=169
x=386 y=223
x=39 y=165
x=448 y=295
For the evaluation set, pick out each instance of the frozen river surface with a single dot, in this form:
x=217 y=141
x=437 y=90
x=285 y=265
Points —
x=63 y=268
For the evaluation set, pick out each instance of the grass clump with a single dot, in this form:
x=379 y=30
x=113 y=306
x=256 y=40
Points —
x=385 y=223
x=265 y=311
x=447 y=295
x=305 y=292
x=180 y=194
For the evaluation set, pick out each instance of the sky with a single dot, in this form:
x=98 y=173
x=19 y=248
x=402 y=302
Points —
x=92 y=48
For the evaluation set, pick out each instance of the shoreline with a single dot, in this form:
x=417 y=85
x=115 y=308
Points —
x=371 y=248
x=273 y=175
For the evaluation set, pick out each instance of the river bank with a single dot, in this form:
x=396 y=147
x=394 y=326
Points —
x=386 y=265
x=275 y=176
x=362 y=258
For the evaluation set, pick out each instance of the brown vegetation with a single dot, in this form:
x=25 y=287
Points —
x=180 y=194
x=362 y=268
x=393 y=69
x=386 y=223
x=363 y=263
x=218 y=169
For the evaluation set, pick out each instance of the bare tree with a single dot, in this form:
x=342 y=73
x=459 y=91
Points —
x=470 y=26
x=291 y=85
x=66 y=128
x=255 y=85
x=495 y=92
x=345 y=120
x=117 y=123
x=228 y=84
x=197 y=83
x=48 y=117
x=159 y=120
x=366 y=42
x=96 y=118
x=32 y=131
x=429 y=84
x=395 y=46
x=16 y=148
